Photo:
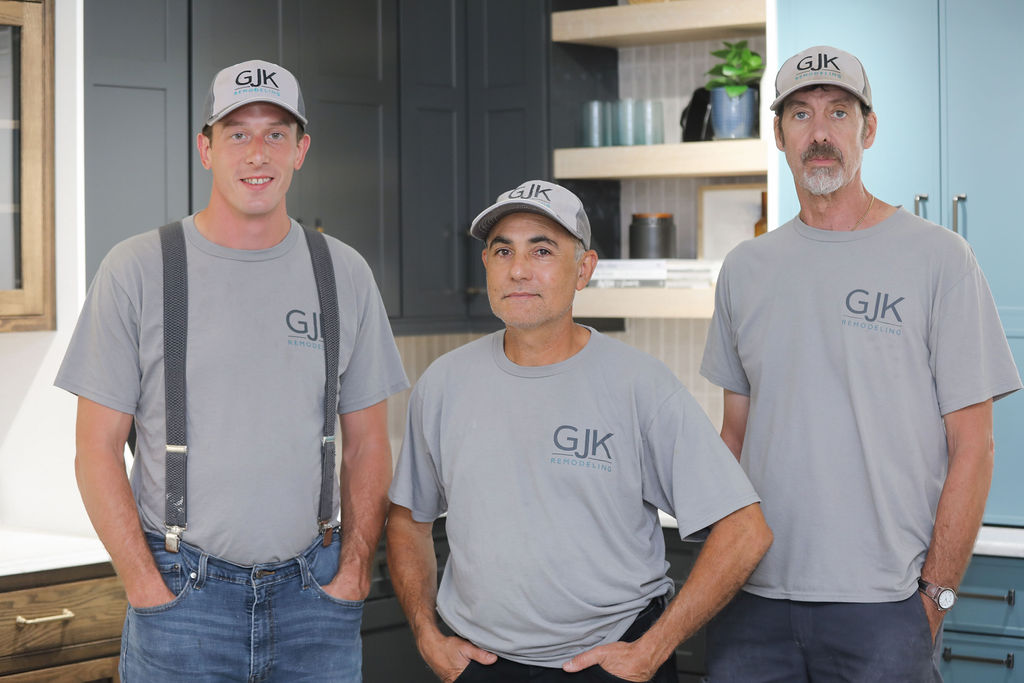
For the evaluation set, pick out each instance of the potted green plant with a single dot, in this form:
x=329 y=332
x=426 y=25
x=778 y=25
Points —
x=733 y=100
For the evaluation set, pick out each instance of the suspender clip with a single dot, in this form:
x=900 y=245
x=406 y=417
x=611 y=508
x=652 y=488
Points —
x=172 y=538
x=327 y=529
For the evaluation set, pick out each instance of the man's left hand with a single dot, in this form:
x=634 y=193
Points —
x=623 y=660
x=348 y=586
x=933 y=614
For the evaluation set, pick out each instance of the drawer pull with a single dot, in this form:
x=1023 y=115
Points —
x=1010 y=598
x=65 y=615
x=947 y=656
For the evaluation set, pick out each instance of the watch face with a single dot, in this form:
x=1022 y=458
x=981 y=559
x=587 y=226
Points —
x=946 y=599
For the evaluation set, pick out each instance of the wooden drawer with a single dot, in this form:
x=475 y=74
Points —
x=83 y=672
x=989 y=598
x=974 y=658
x=67 y=622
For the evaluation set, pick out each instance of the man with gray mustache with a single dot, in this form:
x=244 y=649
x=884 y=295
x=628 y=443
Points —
x=860 y=352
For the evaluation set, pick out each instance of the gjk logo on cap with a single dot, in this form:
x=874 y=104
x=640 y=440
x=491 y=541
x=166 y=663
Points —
x=821 y=65
x=540 y=197
x=253 y=81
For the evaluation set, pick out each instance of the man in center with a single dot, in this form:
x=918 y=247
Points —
x=551 y=448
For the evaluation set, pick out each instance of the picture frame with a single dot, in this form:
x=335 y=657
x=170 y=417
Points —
x=725 y=217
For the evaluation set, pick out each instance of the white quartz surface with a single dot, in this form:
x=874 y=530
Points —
x=30 y=551
x=1000 y=541
x=992 y=540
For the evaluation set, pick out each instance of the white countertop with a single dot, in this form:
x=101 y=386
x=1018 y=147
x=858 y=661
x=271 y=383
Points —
x=1000 y=541
x=992 y=540
x=29 y=551
x=22 y=552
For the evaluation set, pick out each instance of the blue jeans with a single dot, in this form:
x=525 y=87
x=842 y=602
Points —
x=761 y=640
x=268 y=622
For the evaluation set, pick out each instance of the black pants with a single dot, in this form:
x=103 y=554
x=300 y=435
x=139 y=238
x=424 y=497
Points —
x=505 y=671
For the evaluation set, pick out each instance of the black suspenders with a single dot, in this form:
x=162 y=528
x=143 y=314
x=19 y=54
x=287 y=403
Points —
x=175 y=277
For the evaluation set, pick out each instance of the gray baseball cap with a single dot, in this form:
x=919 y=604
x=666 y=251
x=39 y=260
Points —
x=821 y=65
x=253 y=81
x=540 y=197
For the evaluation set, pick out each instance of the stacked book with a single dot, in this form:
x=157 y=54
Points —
x=672 y=273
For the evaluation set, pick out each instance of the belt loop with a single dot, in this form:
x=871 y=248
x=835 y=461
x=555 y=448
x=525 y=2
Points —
x=201 y=579
x=307 y=577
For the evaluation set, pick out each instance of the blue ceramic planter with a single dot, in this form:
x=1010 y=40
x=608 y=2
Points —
x=733 y=117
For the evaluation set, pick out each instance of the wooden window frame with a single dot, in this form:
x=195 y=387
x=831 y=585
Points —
x=33 y=306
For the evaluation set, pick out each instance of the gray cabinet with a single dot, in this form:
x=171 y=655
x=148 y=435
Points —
x=345 y=55
x=421 y=112
x=473 y=124
x=136 y=120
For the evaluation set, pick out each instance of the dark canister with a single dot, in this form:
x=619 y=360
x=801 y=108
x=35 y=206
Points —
x=652 y=235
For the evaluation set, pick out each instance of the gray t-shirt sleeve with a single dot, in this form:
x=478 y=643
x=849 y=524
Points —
x=417 y=484
x=721 y=363
x=970 y=357
x=374 y=370
x=102 y=360
x=687 y=470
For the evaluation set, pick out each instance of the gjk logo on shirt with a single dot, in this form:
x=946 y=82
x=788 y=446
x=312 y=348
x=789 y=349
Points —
x=569 y=441
x=304 y=329
x=874 y=306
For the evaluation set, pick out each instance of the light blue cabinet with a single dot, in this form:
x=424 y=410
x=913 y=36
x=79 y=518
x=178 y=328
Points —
x=947 y=100
x=983 y=635
x=898 y=43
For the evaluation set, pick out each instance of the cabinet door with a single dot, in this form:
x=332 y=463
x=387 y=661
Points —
x=227 y=32
x=975 y=658
x=508 y=101
x=898 y=44
x=136 y=87
x=349 y=75
x=433 y=158
x=982 y=143
x=1005 y=503
x=982 y=152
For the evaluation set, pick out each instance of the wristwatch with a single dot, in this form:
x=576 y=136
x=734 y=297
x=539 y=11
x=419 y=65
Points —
x=944 y=598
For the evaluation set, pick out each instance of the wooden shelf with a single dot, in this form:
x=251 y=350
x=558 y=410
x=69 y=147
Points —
x=644 y=302
x=655 y=23
x=682 y=160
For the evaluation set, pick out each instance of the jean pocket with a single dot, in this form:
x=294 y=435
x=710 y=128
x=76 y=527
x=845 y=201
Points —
x=464 y=676
x=603 y=674
x=320 y=592
x=176 y=578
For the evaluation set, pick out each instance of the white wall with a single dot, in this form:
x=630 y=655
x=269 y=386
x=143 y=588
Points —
x=37 y=437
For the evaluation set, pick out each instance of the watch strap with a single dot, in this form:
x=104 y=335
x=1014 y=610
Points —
x=932 y=590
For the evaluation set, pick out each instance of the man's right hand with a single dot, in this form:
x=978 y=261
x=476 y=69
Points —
x=151 y=593
x=448 y=656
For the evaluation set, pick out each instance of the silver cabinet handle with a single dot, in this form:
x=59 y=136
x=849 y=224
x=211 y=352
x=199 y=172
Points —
x=1010 y=598
x=918 y=198
x=957 y=198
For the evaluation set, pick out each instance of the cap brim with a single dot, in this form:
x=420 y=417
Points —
x=483 y=223
x=238 y=105
x=781 y=98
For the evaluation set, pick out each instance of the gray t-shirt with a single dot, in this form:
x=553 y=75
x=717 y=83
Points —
x=851 y=347
x=552 y=477
x=255 y=381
